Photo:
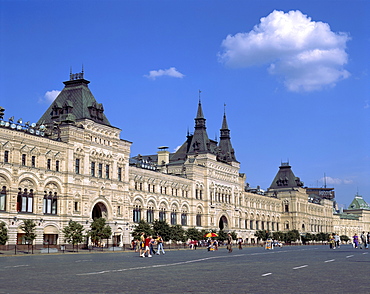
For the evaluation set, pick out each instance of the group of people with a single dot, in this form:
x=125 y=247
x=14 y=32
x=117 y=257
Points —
x=147 y=245
x=334 y=241
x=365 y=240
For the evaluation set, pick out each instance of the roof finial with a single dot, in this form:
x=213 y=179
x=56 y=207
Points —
x=199 y=91
x=224 y=108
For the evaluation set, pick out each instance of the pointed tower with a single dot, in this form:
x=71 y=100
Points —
x=200 y=143
x=74 y=103
x=226 y=151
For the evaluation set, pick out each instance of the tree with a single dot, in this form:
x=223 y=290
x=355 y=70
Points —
x=261 y=235
x=163 y=229
x=73 y=233
x=222 y=235
x=194 y=234
x=99 y=230
x=344 y=238
x=177 y=233
x=292 y=236
x=142 y=226
x=3 y=233
x=29 y=228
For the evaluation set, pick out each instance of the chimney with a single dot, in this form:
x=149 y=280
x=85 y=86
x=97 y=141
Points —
x=163 y=155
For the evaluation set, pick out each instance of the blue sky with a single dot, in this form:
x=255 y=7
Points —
x=294 y=76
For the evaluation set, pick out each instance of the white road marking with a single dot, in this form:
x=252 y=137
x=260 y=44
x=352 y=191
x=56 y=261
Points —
x=299 y=267
x=348 y=256
x=267 y=274
x=331 y=260
x=17 y=265
x=185 y=262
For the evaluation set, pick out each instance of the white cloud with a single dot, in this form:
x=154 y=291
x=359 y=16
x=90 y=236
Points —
x=336 y=181
x=49 y=96
x=307 y=54
x=171 y=72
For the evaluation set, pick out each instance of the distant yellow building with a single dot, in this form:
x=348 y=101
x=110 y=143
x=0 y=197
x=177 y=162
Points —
x=73 y=165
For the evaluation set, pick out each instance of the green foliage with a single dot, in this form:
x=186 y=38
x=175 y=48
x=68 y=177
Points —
x=142 y=226
x=29 y=228
x=222 y=235
x=261 y=235
x=3 y=233
x=73 y=233
x=321 y=237
x=177 y=233
x=344 y=238
x=194 y=234
x=279 y=236
x=163 y=229
x=99 y=230
x=292 y=236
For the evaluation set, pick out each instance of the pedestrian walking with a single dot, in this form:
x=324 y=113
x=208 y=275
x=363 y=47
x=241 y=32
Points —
x=151 y=245
x=240 y=241
x=142 y=244
x=337 y=240
x=355 y=241
x=160 y=245
x=147 y=247
x=368 y=239
x=363 y=241
x=229 y=243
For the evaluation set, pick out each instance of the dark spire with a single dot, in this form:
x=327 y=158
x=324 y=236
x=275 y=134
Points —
x=226 y=151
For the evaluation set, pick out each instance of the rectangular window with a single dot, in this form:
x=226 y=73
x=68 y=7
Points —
x=33 y=161
x=107 y=171
x=48 y=164
x=120 y=174
x=119 y=210
x=77 y=166
x=184 y=219
x=92 y=168
x=162 y=215
x=76 y=205
x=100 y=170
x=199 y=220
x=57 y=165
x=6 y=156
x=2 y=198
x=24 y=157
x=251 y=225
x=173 y=218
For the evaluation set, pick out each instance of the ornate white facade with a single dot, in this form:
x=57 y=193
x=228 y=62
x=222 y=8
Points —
x=79 y=168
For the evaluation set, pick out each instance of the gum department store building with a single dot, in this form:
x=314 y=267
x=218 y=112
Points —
x=73 y=165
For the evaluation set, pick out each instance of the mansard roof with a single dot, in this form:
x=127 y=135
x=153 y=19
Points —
x=285 y=178
x=358 y=203
x=75 y=102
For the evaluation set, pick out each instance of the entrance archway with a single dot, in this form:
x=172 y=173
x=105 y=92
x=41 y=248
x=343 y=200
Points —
x=99 y=210
x=222 y=224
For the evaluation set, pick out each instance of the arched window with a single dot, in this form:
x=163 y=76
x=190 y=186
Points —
x=184 y=217
x=162 y=214
x=25 y=200
x=150 y=214
x=3 y=198
x=174 y=217
x=199 y=219
x=137 y=213
x=50 y=203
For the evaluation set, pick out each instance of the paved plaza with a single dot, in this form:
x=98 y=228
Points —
x=295 y=269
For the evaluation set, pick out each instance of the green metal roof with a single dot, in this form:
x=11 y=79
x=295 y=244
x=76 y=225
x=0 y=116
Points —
x=74 y=103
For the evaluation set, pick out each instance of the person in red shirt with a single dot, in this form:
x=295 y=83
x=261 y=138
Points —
x=147 y=244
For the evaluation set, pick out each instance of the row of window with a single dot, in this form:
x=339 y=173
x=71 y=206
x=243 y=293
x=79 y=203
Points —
x=25 y=201
x=32 y=163
x=137 y=216
x=162 y=189
x=98 y=170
